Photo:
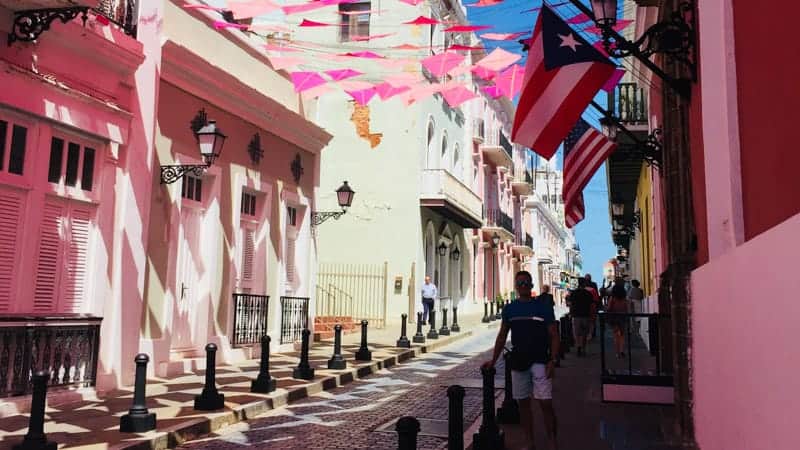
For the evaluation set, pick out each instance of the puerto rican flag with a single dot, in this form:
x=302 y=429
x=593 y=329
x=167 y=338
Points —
x=562 y=75
x=585 y=149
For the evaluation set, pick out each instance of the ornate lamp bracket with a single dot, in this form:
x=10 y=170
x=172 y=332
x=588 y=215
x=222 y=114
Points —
x=317 y=217
x=173 y=173
x=29 y=24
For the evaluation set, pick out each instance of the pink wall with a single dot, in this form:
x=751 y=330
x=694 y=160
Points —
x=744 y=320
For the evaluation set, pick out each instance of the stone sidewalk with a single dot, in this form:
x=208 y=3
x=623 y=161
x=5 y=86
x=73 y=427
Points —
x=94 y=424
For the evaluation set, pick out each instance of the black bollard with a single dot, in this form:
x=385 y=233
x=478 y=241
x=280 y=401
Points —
x=403 y=341
x=264 y=383
x=489 y=436
x=455 y=422
x=35 y=439
x=407 y=429
x=491 y=312
x=499 y=314
x=304 y=371
x=419 y=338
x=444 y=331
x=432 y=334
x=509 y=411
x=138 y=419
x=455 y=328
x=485 y=313
x=363 y=353
x=210 y=399
x=337 y=362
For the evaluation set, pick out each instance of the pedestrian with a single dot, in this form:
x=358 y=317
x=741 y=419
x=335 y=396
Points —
x=429 y=295
x=580 y=309
x=636 y=298
x=597 y=304
x=535 y=348
x=618 y=304
x=546 y=297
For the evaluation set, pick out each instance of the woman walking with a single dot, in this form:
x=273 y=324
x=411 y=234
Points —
x=618 y=303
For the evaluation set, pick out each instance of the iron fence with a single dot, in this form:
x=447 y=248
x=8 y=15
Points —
x=294 y=318
x=122 y=13
x=506 y=145
x=629 y=104
x=250 y=318
x=497 y=218
x=359 y=291
x=65 y=345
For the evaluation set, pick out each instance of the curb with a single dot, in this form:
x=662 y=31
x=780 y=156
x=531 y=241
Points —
x=198 y=427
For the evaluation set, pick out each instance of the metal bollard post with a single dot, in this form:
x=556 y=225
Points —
x=35 y=439
x=455 y=328
x=419 y=338
x=337 y=362
x=455 y=420
x=499 y=315
x=491 y=312
x=363 y=353
x=432 y=334
x=403 y=342
x=407 y=429
x=485 y=313
x=304 y=371
x=444 y=331
x=264 y=383
x=138 y=419
x=210 y=399
x=509 y=411
x=489 y=436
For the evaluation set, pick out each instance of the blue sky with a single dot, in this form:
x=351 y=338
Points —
x=594 y=232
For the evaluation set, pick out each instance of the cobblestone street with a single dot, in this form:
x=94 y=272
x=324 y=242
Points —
x=353 y=416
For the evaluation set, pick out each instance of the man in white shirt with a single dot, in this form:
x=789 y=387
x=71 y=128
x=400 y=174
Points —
x=429 y=294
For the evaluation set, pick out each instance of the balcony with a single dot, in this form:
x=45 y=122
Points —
x=32 y=17
x=497 y=149
x=478 y=131
x=544 y=255
x=443 y=192
x=497 y=221
x=628 y=103
x=523 y=244
x=522 y=184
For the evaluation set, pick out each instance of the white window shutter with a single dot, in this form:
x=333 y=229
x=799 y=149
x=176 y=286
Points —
x=290 y=262
x=77 y=259
x=11 y=207
x=49 y=260
x=248 y=253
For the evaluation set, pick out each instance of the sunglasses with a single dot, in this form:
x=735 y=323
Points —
x=524 y=284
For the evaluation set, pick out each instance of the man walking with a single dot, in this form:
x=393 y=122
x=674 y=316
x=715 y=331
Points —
x=535 y=342
x=429 y=294
x=580 y=309
x=546 y=297
x=636 y=297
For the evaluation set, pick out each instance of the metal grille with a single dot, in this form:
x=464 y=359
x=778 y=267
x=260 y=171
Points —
x=358 y=291
x=250 y=318
x=294 y=318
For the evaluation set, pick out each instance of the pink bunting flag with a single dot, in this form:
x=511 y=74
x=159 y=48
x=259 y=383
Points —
x=455 y=96
x=369 y=55
x=269 y=27
x=306 y=80
x=498 y=60
x=355 y=85
x=580 y=18
x=304 y=7
x=466 y=28
x=363 y=96
x=612 y=82
x=359 y=12
x=422 y=20
x=315 y=92
x=492 y=91
x=386 y=91
x=403 y=79
x=279 y=48
x=284 y=62
x=412 y=2
x=220 y=24
x=342 y=74
x=484 y=73
x=503 y=36
x=252 y=8
x=459 y=70
x=600 y=48
x=539 y=7
x=313 y=23
x=510 y=80
x=464 y=47
x=440 y=64
x=485 y=3
x=371 y=38
x=408 y=47
x=398 y=63
x=207 y=7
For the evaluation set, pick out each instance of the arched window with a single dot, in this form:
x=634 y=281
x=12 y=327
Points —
x=443 y=162
x=429 y=163
x=457 y=162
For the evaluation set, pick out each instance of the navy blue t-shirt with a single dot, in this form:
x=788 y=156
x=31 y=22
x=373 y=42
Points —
x=529 y=321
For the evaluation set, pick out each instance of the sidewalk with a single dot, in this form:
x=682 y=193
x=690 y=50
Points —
x=94 y=424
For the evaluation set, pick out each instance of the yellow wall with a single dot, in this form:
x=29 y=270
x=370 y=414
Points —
x=644 y=201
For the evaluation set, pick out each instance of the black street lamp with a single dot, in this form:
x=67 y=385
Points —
x=495 y=240
x=442 y=249
x=209 y=138
x=344 y=195
x=456 y=254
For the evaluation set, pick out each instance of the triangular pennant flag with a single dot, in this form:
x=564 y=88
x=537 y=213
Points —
x=369 y=55
x=510 y=80
x=387 y=91
x=220 y=24
x=412 y=2
x=313 y=23
x=464 y=47
x=403 y=79
x=422 y=20
x=498 y=60
x=252 y=8
x=306 y=80
x=466 y=28
x=484 y=73
x=580 y=18
x=455 y=96
x=370 y=38
x=362 y=97
x=503 y=36
x=284 y=62
x=342 y=74
x=440 y=64
x=279 y=48
x=304 y=7
x=485 y=3
x=492 y=91
x=354 y=85
x=208 y=7
x=315 y=92
x=408 y=47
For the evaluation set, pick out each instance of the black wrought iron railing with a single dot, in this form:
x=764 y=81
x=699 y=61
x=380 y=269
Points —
x=629 y=104
x=506 y=145
x=294 y=318
x=122 y=13
x=497 y=218
x=641 y=348
x=65 y=345
x=525 y=239
x=528 y=240
x=250 y=318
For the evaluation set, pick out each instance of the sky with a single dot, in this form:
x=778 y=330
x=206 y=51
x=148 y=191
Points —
x=594 y=232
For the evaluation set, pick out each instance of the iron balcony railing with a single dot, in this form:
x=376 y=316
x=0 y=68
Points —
x=294 y=318
x=250 y=318
x=523 y=239
x=506 y=146
x=122 y=13
x=629 y=104
x=478 y=128
x=497 y=218
x=65 y=345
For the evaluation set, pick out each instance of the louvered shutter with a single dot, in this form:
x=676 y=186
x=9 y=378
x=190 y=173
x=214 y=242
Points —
x=77 y=259
x=49 y=256
x=248 y=253
x=290 y=262
x=11 y=208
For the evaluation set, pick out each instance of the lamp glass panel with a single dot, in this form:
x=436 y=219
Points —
x=206 y=143
x=605 y=11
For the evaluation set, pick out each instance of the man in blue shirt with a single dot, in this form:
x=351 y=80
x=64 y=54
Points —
x=535 y=341
x=429 y=294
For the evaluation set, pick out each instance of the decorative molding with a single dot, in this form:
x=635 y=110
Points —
x=297 y=168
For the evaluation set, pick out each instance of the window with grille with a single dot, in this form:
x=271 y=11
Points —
x=13 y=143
x=355 y=21
x=71 y=164
x=192 y=188
x=248 y=204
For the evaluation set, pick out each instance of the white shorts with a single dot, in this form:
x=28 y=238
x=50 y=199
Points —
x=533 y=380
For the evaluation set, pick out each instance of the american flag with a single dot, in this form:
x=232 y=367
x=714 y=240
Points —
x=585 y=149
x=562 y=75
